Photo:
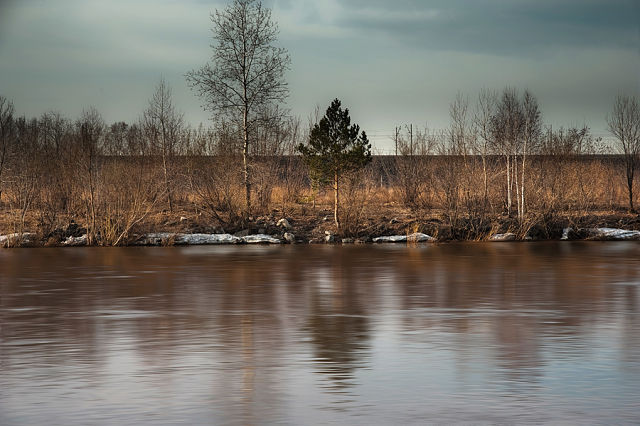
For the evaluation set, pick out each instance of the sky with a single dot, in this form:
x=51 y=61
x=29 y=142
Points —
x=391 y=62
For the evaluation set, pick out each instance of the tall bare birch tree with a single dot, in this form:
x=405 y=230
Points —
x=506 y=125
x=485 y=109
x=246 y=72
x=162 y=126
x=531 y=132
x=516 y=127
x=89 y=131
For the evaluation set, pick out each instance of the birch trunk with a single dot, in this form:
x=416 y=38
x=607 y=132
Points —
x=336 y=199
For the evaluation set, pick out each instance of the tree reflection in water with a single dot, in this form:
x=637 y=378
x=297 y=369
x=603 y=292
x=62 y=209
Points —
x=276 y=334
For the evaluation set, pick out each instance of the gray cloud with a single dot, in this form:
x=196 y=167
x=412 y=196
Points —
x=499 y=26
x=391 y=62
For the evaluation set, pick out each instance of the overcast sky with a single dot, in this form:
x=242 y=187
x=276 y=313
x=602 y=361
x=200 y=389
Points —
x=391 y=62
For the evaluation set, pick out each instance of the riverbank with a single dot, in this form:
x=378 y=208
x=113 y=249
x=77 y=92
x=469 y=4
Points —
x=390 y=225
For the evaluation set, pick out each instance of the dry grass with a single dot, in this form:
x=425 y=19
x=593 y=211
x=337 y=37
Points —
x=560 y=192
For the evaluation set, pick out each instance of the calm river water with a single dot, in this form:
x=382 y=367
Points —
x=479 y=333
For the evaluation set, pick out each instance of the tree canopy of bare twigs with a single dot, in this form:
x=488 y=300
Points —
x=515 y=133
x=90 y=132
x=162 y=126
x=485 y=109
x=246 y=75
x=624 y=124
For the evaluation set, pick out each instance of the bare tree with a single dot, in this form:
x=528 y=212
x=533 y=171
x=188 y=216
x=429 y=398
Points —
x=624 y=124
x=485 y=109
x=24 y=176
x=116 y=139
x=569 y=142
x=7 y=134
x=564 y=177
x=532 y=130
x=460 y=137
x=246 y=73
x=90 y=129
x=56 y=169
x=411 y=174
x=459 y=132
x=507 y=126
x=162 y=126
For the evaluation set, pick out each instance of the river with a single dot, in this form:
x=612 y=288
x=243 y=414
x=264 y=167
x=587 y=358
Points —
x=520 y=333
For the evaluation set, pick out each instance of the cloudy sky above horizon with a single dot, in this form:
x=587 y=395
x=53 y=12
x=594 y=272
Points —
x=390 y=62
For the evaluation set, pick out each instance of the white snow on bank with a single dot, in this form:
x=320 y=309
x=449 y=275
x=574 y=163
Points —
x=204 y=239
x=503 y=237
x=9 y=238
x=76 y=241
x=260 y=239
x=391 y=239
x=613 y=234
x=413 y=238
x=166 y=238
x=565 y=233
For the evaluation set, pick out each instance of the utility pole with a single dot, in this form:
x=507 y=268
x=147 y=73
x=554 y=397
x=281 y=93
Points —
x=410 y=128
x=396 y=139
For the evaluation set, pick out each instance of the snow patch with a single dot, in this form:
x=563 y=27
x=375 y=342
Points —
x=25 y=237
x=509 y=236
x=413 y=238
x=205 y=239
x=76 y=241
x=164 y=238
x=391 y=239
x=260 y=239
x=613 y=234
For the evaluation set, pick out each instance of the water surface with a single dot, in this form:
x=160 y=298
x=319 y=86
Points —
x=480 y=333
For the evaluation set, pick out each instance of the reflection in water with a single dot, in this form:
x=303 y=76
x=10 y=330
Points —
x=541 y=332
x=337 y=322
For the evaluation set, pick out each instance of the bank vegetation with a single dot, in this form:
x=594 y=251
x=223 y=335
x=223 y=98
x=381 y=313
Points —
x=497 y=168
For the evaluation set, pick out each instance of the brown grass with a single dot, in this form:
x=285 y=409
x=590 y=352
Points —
x=577 y=192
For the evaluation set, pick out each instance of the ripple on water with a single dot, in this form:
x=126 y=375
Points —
x=472 y=333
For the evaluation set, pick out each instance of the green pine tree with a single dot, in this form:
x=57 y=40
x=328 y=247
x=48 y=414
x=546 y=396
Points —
x=335 y=146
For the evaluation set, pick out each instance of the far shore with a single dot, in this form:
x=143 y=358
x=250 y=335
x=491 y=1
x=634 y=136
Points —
x=318 y=228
